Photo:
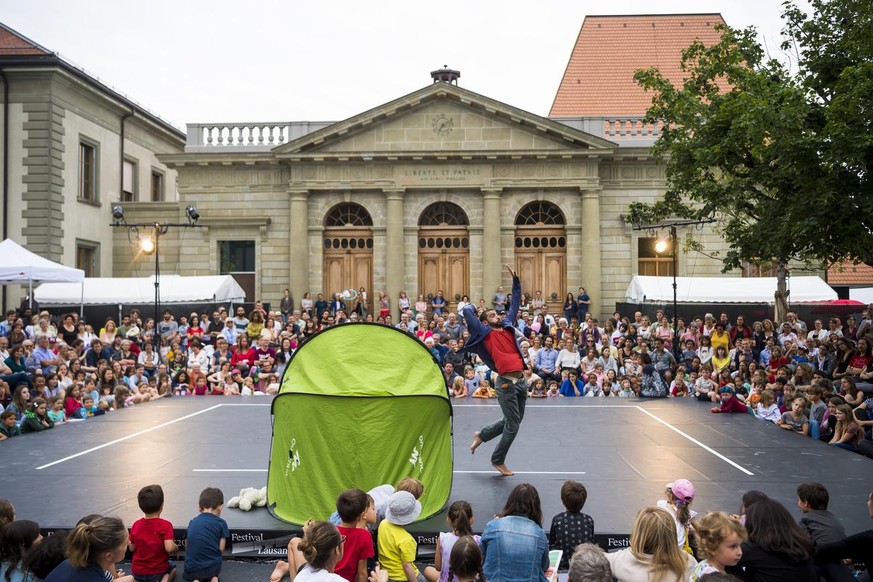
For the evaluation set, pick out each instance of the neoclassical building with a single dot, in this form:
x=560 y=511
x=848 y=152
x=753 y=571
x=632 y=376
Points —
x=436 y=190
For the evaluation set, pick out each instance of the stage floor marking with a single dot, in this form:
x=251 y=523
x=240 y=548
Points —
x=630 y=406
x=128 y=437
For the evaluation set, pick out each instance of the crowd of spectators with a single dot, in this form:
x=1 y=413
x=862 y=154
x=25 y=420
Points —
x=814 y=379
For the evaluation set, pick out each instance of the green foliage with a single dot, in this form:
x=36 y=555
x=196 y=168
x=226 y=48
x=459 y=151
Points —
x=781 y=161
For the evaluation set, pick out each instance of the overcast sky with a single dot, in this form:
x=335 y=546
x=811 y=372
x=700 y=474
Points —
x=283 y=60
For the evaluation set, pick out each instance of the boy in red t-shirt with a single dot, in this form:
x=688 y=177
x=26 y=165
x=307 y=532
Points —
x=151 y=539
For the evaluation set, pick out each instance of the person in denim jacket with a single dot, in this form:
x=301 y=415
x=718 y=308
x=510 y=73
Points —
x=514 y=544
x=492 y=338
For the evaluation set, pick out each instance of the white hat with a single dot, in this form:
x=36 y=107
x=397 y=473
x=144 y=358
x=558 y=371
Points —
x=403 y=508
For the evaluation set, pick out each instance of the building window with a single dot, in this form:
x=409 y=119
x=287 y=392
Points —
x=237 y=258
x=650 y=262
x=128 y=181
x=87 y=172
x=762 y=269
x=157 y=186
x=86 y=258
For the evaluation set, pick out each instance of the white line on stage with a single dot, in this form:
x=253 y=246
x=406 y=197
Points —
x=695 y=441
x=128 y=437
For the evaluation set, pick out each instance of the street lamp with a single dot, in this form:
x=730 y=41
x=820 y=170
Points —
x=151 y=244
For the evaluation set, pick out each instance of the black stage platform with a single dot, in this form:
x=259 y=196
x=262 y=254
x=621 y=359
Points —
x=624 y=451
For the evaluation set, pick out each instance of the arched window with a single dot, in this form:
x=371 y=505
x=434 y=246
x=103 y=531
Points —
x=443 y=214
x=348 y=214
x=540 y=213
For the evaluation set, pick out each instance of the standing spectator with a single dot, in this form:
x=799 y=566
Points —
x=168 y=328
x=286 y=305
x=438 y=304
x=583 y=303
x=499 y=301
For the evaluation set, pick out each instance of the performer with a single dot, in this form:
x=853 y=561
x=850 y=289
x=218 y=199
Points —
x=495 y=344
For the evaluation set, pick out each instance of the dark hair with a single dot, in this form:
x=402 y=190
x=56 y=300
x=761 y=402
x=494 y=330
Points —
x=573 y=496
x=815 y=494
x=350 y=504
x=7 y=511
x=465 y=558
x=150 y=498
x=15 y=540
x=752 y=497
x=524 y=501
x=210 y=498
x=460 y=514
x=772 y=528
x=319 y=542
x=45 y=556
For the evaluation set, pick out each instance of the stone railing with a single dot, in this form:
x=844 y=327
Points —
x=252 y=137
x=627 y=131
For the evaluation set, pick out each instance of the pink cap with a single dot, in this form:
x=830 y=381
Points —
x=682 y=489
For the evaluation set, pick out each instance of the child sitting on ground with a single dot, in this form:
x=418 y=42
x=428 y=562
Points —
x=201 y=387
x=592 y=387
x=678 y=388
x=459 y=388
x=822 y=526
x=207 y=535
x=626 y=389
x=553 y=391
x=8 y=425
x=353 y=506
x=539 y=389
x=471 y=380
x=460 y=519
x=484 y=390
x=56 y=410
x=767 y=409
x=719 y=540
x=73 y=403
x=151 y=539
x=607 y=389
x=796 y=420
x=397 y=548
x=572 y=527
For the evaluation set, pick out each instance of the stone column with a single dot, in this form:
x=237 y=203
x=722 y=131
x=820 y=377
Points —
x=394 y=253
x=298 y=248
x=492 y=256
x=591 y=250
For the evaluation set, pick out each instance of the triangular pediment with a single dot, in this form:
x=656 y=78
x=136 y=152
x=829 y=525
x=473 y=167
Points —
x=443 y=118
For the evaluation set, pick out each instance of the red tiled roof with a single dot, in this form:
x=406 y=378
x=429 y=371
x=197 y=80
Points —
x=849 y=274
x=599 y=80
x=13 y=44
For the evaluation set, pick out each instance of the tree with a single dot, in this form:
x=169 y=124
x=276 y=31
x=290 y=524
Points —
x=782 y=161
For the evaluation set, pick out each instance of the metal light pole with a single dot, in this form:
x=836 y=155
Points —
x=152 y=244
x=660 y=247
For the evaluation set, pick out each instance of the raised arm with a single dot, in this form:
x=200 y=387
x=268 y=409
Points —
x=514 y=300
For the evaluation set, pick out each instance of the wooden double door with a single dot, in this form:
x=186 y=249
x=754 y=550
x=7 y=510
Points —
x=348 y=262
x=541 y=262
x=444 y=263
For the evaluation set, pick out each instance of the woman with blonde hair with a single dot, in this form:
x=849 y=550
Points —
x=653 y=555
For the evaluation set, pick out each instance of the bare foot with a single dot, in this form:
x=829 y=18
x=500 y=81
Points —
x=477 y=440
x=280 y=571
x=504 y=470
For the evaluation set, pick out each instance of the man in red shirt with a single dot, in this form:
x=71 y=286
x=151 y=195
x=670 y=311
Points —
x=492 y=338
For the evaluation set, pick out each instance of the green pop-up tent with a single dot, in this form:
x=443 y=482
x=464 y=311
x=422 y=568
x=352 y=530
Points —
x=360 y=405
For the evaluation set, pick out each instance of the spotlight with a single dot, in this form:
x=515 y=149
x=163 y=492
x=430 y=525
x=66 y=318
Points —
x=118 y=214
x=661 y=246
x=193 y=215
x=147 y=245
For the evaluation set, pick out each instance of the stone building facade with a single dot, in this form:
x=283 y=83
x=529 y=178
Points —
x=436 y=190
x=73 y=147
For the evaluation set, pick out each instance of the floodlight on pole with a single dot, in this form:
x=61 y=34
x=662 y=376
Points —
x=147 y=245
x=661 y=246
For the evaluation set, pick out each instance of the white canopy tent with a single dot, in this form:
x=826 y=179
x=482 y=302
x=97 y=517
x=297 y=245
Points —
x=139 y=290
x=864 y=294
x=644 y=289
x=19 y=265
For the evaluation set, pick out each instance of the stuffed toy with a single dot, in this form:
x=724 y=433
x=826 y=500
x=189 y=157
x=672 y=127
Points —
x=248 y=498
